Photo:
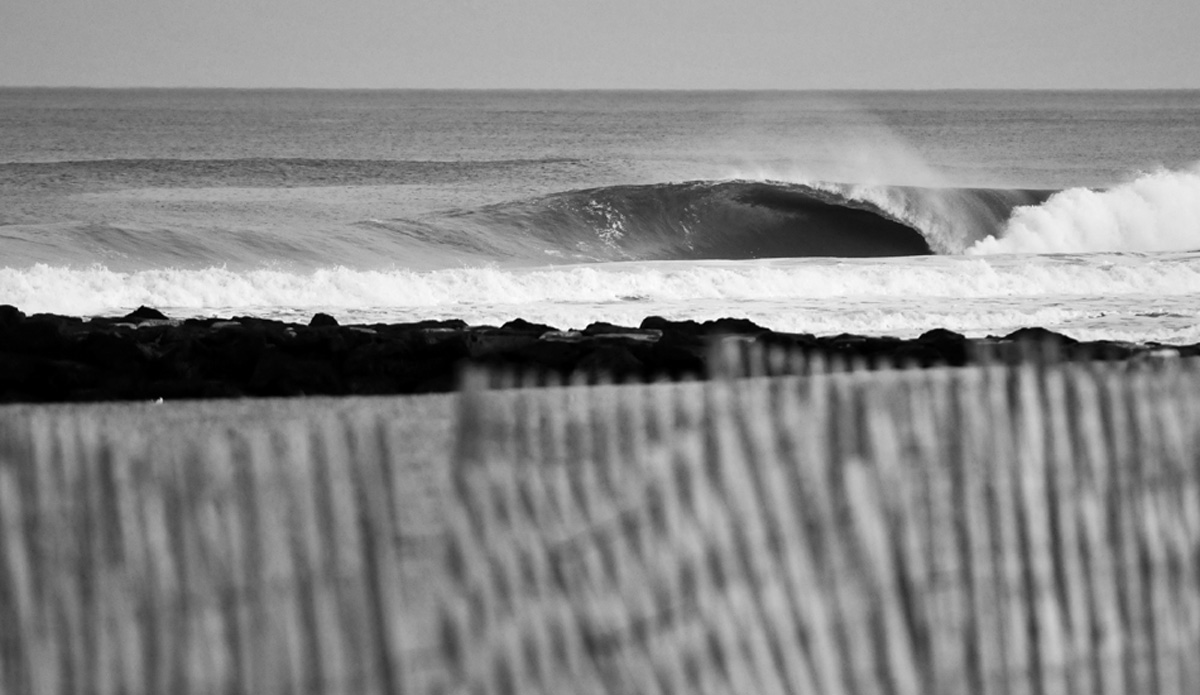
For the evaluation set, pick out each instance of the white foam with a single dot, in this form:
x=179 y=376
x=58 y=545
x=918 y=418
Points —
x=1154 y=212
x=97 y=289
x=899 y=296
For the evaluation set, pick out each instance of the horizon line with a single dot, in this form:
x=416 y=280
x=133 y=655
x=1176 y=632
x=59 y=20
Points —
x=150 y=88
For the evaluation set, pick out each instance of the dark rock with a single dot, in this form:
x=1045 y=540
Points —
x=40 y=379
x=678 y=359
x=111 y=351
x=320 y=320
x=523 y=326
x=725 y=326
x=499 y=341
x=144 y=313
x=668 y=327
x=280 y=374
x=543 y=354
x=324 y=342
x=35 y=336
x=202 y=323
x=938 y=346
x=941 y=335
x=16 y=372
x=602 y=328
x=444 y=324
x=10 y=315
x=1039 y=335
x=46 y=357
x=228 y=354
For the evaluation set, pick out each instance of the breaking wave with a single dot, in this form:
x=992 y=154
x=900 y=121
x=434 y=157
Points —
x=693 y=220
x=1159 y=211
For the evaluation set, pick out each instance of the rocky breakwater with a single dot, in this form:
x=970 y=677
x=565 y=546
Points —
x=147 y=355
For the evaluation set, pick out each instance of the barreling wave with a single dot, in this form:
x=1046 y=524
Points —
x=693 y=220
x=740 y=220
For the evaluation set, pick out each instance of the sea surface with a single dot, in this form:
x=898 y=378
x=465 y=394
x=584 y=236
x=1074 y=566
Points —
x=824 y=212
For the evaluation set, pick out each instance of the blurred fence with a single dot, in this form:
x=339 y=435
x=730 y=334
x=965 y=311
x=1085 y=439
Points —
x=992 y=530
x=260 y=558
x=988 y=530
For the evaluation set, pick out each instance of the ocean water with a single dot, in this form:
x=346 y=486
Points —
x=879 y=213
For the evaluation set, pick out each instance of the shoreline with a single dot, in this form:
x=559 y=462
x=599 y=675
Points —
x=146 y=355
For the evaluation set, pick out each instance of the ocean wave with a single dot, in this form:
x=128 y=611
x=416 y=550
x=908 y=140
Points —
x=691 y=220
x=734 y=219
x=1159 y=211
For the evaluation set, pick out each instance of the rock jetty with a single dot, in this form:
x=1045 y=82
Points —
x=147 y=355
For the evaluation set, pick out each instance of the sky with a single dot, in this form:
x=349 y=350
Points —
x=582 y=44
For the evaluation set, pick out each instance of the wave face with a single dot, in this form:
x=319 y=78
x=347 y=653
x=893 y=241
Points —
x=692 y=221
x=1154 y=212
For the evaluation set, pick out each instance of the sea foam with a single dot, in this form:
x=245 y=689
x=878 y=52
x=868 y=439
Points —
x=98 y=290
x=1159 y=211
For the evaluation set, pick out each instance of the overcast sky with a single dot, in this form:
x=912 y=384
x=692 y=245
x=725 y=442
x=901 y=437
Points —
x=744 y=44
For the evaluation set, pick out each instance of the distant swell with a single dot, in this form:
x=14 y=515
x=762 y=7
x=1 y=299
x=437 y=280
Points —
x=110 y=174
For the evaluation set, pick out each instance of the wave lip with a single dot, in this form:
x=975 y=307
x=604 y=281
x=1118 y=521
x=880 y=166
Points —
x=950 y=219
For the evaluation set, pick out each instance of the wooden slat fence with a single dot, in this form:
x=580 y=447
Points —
x=257 y=559
x=998 y=530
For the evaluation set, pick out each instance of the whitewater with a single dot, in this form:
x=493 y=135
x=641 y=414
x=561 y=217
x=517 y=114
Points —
x=861 y=213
